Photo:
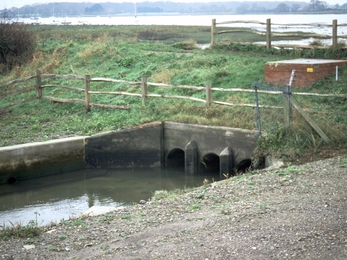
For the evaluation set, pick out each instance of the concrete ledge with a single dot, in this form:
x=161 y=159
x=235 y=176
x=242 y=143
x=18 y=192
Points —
x=33 y=160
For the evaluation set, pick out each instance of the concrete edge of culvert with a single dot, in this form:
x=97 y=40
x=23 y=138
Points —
x=37 y=159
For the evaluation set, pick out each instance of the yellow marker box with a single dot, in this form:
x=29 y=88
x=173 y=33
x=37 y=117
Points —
x=309 y=69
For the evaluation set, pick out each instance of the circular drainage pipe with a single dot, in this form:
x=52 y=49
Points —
x=244 y=165
x=12 y=180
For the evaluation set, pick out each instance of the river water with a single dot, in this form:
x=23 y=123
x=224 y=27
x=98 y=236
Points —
x=64 y=196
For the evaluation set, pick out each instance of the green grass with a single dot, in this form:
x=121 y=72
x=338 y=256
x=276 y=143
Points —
x=195 y=207
x=343 y=163
x=62 y=237
x=79 y=222
x=160 y=53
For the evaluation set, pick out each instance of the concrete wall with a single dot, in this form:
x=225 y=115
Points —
x=42 y=158
x=144 y=146
x=136 y=147
x=308 y=71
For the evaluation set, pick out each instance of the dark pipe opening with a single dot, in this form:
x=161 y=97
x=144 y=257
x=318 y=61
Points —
x=244 y=166
x=12 y=180
x=175 y=159
x=210 y=164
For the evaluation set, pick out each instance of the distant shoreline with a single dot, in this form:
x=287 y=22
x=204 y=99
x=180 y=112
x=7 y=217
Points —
x=197 y=14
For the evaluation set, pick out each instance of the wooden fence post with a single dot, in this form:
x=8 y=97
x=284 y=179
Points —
x=38 y=84
x=87 y=94
x=268 y=33
x=334 y=33
x=213 y=27
x=144 y=89
x=208 y=94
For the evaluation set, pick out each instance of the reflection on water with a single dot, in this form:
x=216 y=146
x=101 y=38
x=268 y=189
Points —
x=53 y=198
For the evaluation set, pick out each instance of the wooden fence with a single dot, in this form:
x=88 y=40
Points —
x=268 y=33
x=144 y=84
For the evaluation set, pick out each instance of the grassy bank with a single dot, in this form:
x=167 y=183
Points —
x=163 y=54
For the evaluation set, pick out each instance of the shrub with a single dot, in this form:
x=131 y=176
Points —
x=17 y=44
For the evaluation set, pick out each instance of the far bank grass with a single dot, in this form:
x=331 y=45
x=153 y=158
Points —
x=158 y=53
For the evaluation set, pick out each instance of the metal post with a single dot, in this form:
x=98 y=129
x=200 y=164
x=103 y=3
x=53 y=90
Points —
x=287 y=105
x=257 y=112
x=144 y=90
x=208 y=94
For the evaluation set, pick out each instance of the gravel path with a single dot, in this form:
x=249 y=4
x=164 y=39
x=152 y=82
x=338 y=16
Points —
x=297 y=212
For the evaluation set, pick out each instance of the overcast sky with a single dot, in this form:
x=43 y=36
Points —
x=20 y=3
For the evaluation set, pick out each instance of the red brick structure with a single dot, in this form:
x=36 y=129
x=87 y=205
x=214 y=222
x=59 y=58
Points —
x=307 y=71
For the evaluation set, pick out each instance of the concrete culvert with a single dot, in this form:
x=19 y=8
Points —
x=244 y=166
x=210 y=163
x=12 y=180
x=175 y=159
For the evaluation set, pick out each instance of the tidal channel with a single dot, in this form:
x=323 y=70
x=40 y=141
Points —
x=64 y=196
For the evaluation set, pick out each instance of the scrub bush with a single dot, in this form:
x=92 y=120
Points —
x=17 y=43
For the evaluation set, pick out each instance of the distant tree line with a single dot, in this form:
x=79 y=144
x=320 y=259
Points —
x=87 y=8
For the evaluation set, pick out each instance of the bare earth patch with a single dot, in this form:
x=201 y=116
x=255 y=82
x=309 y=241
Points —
x=297 y=212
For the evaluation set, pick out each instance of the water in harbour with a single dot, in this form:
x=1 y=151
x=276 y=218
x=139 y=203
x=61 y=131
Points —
x=199 y=20
x=64 y=196
x=280 y=23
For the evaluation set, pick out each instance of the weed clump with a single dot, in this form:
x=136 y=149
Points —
x=18 y=230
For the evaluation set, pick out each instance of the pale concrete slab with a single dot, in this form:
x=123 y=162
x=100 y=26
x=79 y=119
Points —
x=99 y=210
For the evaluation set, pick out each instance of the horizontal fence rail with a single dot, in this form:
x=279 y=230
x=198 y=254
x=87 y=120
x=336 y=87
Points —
x=143 y=92
x=269 y=32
